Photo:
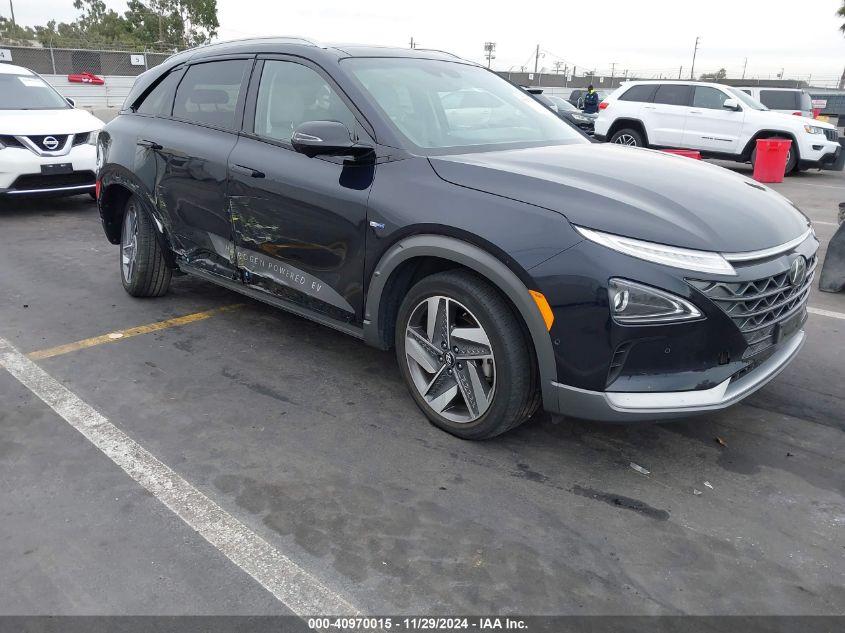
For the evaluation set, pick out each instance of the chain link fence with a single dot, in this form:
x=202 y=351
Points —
x=48 y=60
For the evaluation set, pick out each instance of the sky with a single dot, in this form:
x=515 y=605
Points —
x=646 y=37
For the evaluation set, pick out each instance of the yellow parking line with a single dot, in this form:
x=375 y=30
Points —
x=119 y=335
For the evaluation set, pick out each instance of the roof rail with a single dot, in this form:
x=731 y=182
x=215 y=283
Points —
x=289 y=38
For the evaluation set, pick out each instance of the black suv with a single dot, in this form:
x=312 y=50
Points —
x=509 y=261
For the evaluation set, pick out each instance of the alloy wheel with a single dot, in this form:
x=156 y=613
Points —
x=626 y=139
x=450 y=359
x=129 y=242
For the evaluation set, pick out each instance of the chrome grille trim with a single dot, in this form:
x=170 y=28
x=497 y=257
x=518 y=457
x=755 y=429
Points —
x=768 y=252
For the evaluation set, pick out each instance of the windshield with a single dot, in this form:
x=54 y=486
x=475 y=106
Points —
x=439 y=105
x=28 y=92
x=746 y=98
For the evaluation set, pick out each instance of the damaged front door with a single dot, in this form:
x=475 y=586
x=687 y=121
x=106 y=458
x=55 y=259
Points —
x=299 y=222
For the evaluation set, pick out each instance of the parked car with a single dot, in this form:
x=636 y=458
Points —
x=568 y=112
x=576 y=97
x=46 y=145
x=717 y=120
x=787 y=100
x=510 y=264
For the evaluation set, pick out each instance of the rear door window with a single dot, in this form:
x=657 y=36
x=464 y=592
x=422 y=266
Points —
x=208 y=94
x=673 y=94
x=159 y=101
x=643 y=93
x=781 y=99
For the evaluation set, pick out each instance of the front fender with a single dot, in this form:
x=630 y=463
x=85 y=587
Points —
x=483 y=263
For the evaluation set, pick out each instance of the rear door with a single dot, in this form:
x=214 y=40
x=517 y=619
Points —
x=192 y=148
x=666 y=116
x=709 y=125
x=300 y=223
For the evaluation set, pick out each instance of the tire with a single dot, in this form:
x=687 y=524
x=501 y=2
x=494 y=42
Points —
x=628 y=136
x=143 y=269
x=791 y=160
x=93 y=196
x=484 y=381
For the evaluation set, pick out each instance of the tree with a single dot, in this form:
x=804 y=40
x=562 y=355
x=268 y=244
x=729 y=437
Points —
x=174 y=22
x=12 y=32
x=164 y=24
x=720 y=74
x=841 y=14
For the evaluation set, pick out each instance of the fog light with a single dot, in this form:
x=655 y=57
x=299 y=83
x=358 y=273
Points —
x=636 y=304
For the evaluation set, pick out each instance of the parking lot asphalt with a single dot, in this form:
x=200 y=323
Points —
x=309 y=439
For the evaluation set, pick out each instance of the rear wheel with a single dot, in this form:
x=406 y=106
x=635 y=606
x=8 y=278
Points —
x=464 y=356
x=143 y=269
x=628 y=136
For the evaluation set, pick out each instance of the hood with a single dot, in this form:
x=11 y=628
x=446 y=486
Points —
x=639 y=193
x=39 y=122
x=797 y=121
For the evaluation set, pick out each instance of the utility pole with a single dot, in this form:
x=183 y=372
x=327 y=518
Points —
x=489 y=47
x=842 y=81
x=744 y=66
x=680 y=71
x=536 y=59
x=12 y=9
x=557 y=66
x=412 y=42
x=694 y=51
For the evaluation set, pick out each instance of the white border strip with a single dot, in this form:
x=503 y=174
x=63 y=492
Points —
x=827 y=313
x=298 y=590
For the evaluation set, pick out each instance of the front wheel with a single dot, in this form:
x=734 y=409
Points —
x=791 y=160
x=629 y=137
x=143 y=269
x=464 y=356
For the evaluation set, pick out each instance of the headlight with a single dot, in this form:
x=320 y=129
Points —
x=635 y=304
x=92 y=137
x=701 y=261
x=813 y=129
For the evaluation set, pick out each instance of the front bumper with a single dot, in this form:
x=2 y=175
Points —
x=20 y=172
x=825 y=155
x=612 y=406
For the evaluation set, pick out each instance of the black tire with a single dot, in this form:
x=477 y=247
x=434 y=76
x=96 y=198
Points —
x=791 y=160
x=628 y=136
x=149 y=275
x=515 y=395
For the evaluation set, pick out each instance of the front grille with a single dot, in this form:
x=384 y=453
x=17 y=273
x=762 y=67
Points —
x=60 y=140
x=832 y=135
x=758 y=306
x=51 y=181
x=10 y=141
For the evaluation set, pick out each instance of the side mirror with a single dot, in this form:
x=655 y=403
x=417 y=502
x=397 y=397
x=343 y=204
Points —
x=731 y=104
x=326 y=138
x=71 y=102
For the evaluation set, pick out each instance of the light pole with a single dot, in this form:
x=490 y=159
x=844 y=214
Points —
x=694 y=51
x=12 y=9
x=489 y=48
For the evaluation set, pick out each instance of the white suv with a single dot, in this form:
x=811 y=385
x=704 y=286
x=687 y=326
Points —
x=46 y=146
x=719 y=121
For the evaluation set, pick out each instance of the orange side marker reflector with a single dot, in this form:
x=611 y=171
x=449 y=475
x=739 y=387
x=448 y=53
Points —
x=543 y=306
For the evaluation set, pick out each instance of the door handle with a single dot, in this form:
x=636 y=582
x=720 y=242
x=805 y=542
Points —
x=695 y=111
x=247 y=171
x=648 y=107
x=149 y=144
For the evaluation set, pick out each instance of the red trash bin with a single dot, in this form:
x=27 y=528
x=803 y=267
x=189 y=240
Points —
x=689 y=153
x=770 y=162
